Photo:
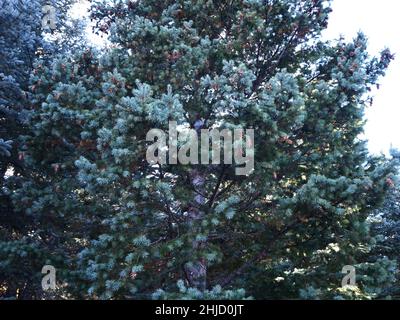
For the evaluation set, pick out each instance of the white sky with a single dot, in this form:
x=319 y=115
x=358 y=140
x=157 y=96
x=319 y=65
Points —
x=380 y=21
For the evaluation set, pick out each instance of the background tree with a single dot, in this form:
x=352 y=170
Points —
x=117 y=227
x=22 y=41
x=385 y=223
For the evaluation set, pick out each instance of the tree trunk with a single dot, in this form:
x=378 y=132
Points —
x=196 y=270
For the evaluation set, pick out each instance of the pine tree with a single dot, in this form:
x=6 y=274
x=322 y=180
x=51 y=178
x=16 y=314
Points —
x=18 y=42
x=20 y=28
x=385 y=225
x=22 y=41
x=130 y=229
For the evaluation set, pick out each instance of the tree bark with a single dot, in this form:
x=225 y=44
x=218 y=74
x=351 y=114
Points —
x=196 y=269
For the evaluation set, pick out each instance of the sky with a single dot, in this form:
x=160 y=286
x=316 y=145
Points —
x=380 y=21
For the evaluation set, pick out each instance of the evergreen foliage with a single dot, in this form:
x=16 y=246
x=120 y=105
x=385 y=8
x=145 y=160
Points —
x=385 y=225
x=118 y=227
x=22 y=42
